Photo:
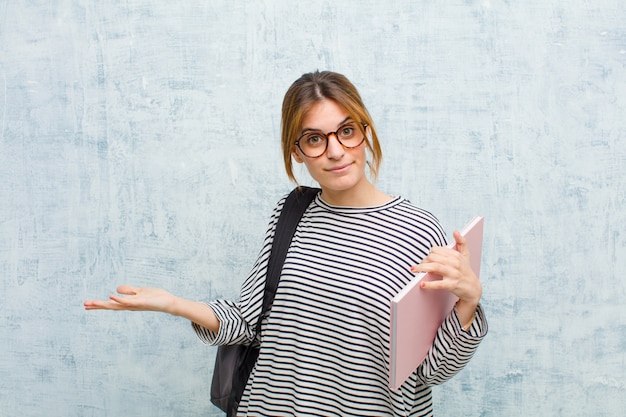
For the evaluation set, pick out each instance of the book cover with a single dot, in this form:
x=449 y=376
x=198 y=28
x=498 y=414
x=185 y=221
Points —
x=416 y=314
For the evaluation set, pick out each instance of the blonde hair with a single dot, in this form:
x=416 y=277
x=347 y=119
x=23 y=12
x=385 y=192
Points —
x=312 y=88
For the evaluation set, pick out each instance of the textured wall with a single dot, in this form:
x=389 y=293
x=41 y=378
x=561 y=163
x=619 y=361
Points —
x=139 y=144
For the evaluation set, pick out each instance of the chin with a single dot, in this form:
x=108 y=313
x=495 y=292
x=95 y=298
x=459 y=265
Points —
x=342 y=183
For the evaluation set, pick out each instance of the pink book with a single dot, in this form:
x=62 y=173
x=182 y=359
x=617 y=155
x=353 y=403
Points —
x=416 y=314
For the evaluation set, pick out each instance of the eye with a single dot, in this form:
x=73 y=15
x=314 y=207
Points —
x=347 y=131
x=314 y=140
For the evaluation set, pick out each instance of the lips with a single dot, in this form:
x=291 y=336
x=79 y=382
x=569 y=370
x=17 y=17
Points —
x=339 y=169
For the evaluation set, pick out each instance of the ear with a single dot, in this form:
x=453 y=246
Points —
x=296 y=156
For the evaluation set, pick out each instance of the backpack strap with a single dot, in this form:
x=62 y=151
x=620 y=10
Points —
x=295 y=205
x=245 y=356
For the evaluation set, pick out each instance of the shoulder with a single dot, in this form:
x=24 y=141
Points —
x=297 y=196
x=295 y=203
x=420 y=221
x=406 y=210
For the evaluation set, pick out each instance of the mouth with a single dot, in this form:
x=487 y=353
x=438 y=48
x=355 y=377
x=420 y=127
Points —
x=339 y=169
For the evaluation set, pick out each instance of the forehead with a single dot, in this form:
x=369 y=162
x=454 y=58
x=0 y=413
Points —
x=324 y=114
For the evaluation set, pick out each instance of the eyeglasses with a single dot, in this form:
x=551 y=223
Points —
x=314 y=144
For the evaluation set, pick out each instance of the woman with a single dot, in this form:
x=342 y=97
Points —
x=324 y=346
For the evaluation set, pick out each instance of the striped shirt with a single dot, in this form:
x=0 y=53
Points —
x=325 y=345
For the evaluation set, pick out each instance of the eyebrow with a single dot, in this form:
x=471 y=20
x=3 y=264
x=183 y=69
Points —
x=343 y=122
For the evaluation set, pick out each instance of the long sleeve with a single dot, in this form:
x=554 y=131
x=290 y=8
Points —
x=452 y=349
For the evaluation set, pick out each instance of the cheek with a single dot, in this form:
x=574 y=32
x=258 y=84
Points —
x=311 y=165
x=314 y=168
x=361 y=153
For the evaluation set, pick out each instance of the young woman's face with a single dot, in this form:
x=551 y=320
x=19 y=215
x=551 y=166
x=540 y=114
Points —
x=337 y=169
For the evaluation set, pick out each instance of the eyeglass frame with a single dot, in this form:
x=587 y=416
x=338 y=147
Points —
x=327 y=137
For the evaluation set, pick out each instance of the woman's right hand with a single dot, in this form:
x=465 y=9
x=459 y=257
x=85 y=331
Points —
x=157 y=299
x=135 y=299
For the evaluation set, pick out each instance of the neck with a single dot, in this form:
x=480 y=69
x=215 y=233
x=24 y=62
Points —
x=363 y=195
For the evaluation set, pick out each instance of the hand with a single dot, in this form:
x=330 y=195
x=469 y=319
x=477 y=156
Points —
x=135 y=299
x=453 y=264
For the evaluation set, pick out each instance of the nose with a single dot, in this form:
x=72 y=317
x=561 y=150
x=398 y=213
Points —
x=334 y=149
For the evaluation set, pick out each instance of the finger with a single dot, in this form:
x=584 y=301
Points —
x=441 y=256
x=97 y=307
x=93 y=303
x=444 y=271
x=121 y=302
x=428 y=266
x=437 y=261
x=100 y=305
x=461 y=243
x=127 y=290
x=438 y=284
x=434 y=254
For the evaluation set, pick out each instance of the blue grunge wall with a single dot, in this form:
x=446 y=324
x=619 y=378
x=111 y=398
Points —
x=139 y=144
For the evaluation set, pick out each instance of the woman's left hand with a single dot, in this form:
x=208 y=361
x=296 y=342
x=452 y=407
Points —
x=453 y=264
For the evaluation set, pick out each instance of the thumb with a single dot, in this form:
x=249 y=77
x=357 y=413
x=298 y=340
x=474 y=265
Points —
x=461 y=243
x=127 y=290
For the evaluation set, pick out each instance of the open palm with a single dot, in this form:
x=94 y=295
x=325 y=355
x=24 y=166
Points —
x=134 y=299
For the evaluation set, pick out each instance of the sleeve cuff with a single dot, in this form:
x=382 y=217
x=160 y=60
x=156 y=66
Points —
x=478 y=328
x=207 y=336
